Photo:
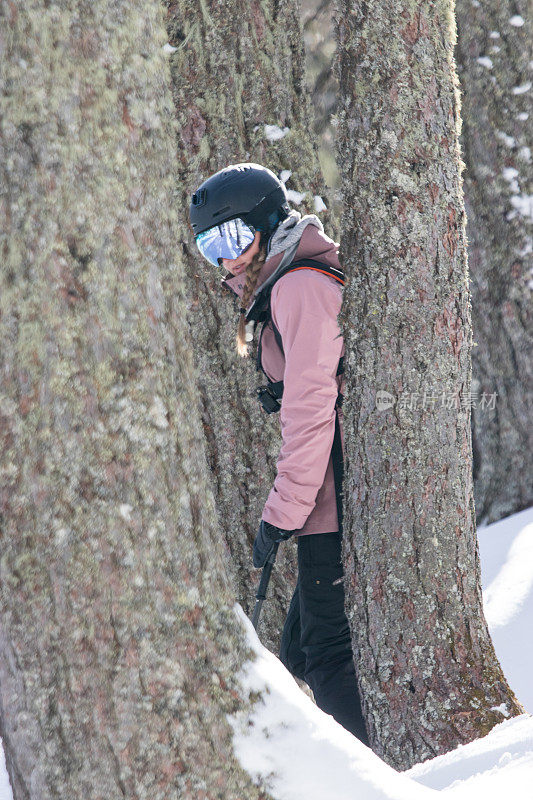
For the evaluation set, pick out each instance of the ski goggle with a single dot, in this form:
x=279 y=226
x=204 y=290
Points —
x=227 y=240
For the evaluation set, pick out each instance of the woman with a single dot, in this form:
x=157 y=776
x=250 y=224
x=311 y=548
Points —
x=242 y=223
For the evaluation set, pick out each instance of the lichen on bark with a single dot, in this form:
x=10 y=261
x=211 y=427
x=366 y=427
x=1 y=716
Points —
x=494 y=63
x=119 y=646
x=428 y=673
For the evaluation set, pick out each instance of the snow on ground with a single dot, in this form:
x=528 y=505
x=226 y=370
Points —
x=299 y=753
x=489 y=768
x=5 y=788
x=506 y=553
x=296 y=751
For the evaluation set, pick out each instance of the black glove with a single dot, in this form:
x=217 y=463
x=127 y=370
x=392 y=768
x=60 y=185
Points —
x=267 y=536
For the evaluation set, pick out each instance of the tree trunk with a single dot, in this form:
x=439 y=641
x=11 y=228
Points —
x=237 y=68
x=493 y=62
x=319 y=40
x=429 y=677
x=119 y=647
x=494 y=48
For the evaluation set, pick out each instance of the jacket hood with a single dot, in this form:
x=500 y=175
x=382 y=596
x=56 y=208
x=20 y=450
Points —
x=294 y=238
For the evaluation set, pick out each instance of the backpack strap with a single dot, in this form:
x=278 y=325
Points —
x=318 y=266
x=270 y=395
x=337 y=458
x=260 y=309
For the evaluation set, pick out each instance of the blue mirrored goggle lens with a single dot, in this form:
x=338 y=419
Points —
x=227 y=240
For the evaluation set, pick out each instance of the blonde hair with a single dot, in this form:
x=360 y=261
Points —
x=252 y=275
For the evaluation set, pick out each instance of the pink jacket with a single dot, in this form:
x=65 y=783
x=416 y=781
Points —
x=305 y=305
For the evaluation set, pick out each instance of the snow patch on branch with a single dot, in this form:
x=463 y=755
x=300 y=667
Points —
x=273 y=132
x=508 y=141
x=510 y=173
x=522 y=203
x=295 y=197
x=502 y=708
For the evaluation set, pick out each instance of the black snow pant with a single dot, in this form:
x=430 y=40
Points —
x=315 y=644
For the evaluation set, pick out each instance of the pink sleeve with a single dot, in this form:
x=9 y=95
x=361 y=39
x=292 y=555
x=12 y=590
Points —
x=305 y=305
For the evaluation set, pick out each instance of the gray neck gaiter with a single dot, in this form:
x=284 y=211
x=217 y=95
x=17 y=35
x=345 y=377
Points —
x=286 y=239
x=289 y=232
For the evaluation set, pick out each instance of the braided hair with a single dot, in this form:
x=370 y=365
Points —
x=252 y=275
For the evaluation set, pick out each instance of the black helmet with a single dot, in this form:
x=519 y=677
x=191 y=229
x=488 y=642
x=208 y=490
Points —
x=248 y=191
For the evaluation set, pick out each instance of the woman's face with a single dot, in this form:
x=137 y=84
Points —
x=238 y=265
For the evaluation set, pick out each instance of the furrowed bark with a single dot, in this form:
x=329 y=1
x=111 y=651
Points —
x=119 y=647
x=429 y=677
x=494 y=64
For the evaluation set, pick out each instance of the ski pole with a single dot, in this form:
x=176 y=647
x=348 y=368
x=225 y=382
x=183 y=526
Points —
x=263 y=584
